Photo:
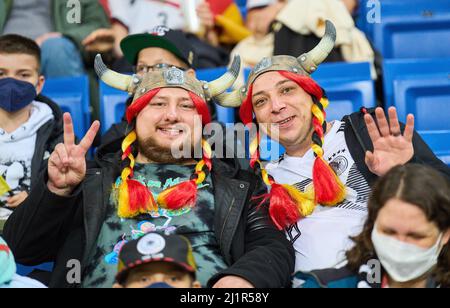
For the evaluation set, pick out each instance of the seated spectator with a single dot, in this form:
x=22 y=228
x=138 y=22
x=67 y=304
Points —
x=219 y=24
x=294 y=27
x=161 y=47
x=30 y=124
x=321 y=185
x=97 y=206
x=8 y=277
x=405 y=242
x=157 y=261
x=60 y=30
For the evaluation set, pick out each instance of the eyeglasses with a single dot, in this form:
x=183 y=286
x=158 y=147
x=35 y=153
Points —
x=143 y=69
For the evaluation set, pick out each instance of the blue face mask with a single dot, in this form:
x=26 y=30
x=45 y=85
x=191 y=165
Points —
x=15 y=94
x=160 y=285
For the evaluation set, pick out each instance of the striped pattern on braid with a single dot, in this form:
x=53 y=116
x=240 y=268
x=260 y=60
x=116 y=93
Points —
x=134 y=198
x=185 y=194
x=328 y=188
x=286 y=204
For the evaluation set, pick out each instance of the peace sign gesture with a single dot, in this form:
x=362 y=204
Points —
x=391 y=148
x=67 y=164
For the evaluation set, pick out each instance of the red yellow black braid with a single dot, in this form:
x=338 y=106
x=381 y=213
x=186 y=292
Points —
x=134 y=198
x=328 y=188
x=286 y=204
x=185 y=194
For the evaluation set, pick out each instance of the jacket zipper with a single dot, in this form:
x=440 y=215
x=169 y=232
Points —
x=226 y=220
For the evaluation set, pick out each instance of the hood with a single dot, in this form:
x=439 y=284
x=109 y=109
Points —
x=41 y=113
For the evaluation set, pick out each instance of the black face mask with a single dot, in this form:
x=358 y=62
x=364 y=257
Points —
x=15 y=94
x=160 y=285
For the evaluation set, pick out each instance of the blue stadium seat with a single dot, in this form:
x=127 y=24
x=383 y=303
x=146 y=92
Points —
x=72 y=95
x=403 y=9
x=405 y=68
x=23 y=270
x=224 y=115
x=414 y=37
x=349 y=87
x=428 y=98
x=112 y=106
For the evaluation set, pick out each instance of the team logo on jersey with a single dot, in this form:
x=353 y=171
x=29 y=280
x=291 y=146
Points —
x=339 y=165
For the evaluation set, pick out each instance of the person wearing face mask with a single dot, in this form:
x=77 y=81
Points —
x=157 y=261
x=30 y=124
x=405 y=241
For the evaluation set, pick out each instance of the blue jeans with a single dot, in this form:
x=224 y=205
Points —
x=61 y=58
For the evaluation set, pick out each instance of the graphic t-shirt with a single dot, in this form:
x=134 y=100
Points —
x=321 y=240
x=196 y=224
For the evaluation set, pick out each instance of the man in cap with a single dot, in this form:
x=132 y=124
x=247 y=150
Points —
x=158 y=261
x=328 y=168
x=160 y=48
x=86 y=213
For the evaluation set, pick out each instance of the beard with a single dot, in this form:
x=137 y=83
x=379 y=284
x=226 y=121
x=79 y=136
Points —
x=154 y=152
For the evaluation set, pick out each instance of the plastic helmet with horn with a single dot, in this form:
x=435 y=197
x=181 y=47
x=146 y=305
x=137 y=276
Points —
x=134 y=198
x=287 y=204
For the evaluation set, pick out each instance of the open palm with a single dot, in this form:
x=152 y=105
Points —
x=391 y=147
x=67 y=164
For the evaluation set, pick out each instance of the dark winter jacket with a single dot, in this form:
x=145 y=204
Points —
x=49 y=228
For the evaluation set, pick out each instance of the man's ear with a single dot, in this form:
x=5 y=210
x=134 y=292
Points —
x=191 y=72
x=446 y=238
x=117 y=286
x=196 y=285
x=40 y=85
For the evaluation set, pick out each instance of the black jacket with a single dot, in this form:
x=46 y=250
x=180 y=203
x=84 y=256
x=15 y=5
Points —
x=358 y=142
x=51 y=228
x=48 y=136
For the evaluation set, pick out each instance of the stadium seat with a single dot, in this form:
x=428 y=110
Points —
x=112 y=106
x=403 y=9
x=224 y=115
x=428 y=98
x=349 y=87
x=409 y=28
x=405 y=68
x=72 y=95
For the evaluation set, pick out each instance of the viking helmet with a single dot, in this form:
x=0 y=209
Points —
x=167 y=78
x=305 y=65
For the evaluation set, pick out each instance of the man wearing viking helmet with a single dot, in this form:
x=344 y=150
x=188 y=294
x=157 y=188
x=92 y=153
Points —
x=88 y=213
x=326 y=174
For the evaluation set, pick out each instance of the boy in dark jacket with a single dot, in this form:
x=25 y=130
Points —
x=30 y=125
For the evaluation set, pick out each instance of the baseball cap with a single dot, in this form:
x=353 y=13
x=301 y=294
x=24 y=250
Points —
x=156 y=247
x=173 y=41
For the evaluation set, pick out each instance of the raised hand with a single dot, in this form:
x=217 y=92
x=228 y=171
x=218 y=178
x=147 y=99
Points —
x=391 y=148
x=67 y=164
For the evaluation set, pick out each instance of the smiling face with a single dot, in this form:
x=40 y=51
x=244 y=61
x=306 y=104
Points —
x=406 y=222
x=169 y=121
x=284 y=105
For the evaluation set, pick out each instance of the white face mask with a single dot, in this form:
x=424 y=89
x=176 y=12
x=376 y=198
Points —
x=402 y=261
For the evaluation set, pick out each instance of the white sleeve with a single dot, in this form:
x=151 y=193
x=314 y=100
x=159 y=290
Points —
x=120 y=10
